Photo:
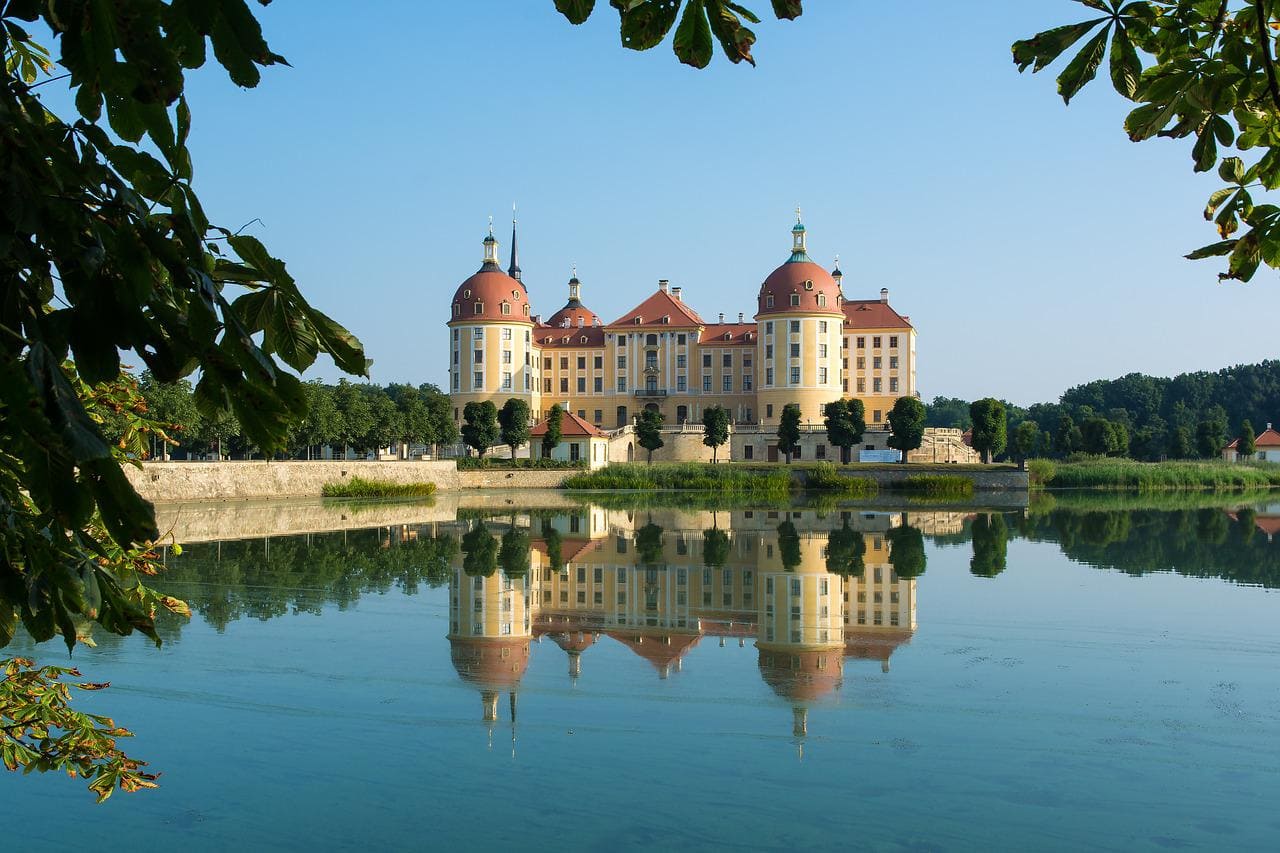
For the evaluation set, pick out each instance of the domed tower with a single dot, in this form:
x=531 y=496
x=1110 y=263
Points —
x=800 y=621
x=491 y=348
x=574 y=315
x=489 y=633
x=800 y=324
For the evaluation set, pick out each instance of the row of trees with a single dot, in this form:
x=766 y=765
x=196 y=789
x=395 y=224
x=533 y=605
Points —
x=1192 y=415
x=484 y=425
x=359 y=417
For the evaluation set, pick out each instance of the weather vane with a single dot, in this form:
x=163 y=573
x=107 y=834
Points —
x=490 y=226
x=798 y=214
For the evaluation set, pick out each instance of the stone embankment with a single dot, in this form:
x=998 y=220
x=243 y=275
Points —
x=162 y=482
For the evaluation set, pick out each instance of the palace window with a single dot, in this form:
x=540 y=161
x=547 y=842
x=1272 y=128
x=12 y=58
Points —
x=599 y=362
x=795 y=376
x=795 y=327
x=622 y=362
x=727 y=360
x=706 y=382
x=893 y=342
x=506 y=310
x=768 y=328
x=746 y=382
x=795 y=300
x=546 y=386
x=506 y=356
x=622 y=386
x=768 y=377
x=795 y=350
x=876 y=363
x=477 y=357
x=746 y=359
x=893 y=385
x=682 y=361
x=728 y=383
x=546 y=364
x=862 y=343
x=862 y=362
x=477 y=380
x=582 y=362
x=506 y=380
x=862 y=386
x=651 y=340
x=706 y=359
x=681 y=383
x=875 y=342
x=564 y=386
x=599 y=386
x=564 y=363
x=582 y=385
x=822 y=326
x=650 y=359
x=822 y=300
x=479 y=308
x=893 y=362
x=768 y=350
x=457 y=310
x=768 y=301
x=680 y=339
x=822 y=350
x=875 y=385
x=822 y=376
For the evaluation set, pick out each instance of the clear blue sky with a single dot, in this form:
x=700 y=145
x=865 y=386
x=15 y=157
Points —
x=1032 y=245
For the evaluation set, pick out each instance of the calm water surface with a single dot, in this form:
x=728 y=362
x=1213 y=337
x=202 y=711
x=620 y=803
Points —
x=605 y=679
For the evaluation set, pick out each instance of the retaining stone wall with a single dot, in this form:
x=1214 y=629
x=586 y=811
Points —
x=199 y=481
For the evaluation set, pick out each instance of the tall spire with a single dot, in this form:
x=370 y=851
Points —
x=514 y=269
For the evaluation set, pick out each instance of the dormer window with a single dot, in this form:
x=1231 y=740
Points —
x=637 y=320
x=795 y=299
x=822 y=300
x=479 y=307
x=506 y=309
x=768 y=301
x=584 y=339
x=457 y=309
x=666 y=321
x=728 y=337
x=526 y=309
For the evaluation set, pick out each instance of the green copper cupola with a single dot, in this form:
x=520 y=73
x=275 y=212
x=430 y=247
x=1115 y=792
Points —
x=799 y=252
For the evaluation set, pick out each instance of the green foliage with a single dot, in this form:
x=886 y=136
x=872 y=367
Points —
x=551 y=438
x=513 y=554
x=715 y=428
x=935 y=485
x=1201 y=71
x=906 y=421
x=845 y=550
x=845 y=421
x=906 y=551
x=359 y=487
x=1025 y=439
x=1211 y=437
x=1040 y=472
x=40 y=731
x=480 y=426
x=1248 y=441
x=649 y=431
x=990 y=545
x=1125 y=474
x=948 y=413
x=715 y=548
x=989 y=427
x=789 y=430
x=826 y=477
x=1180 y=445
x=513 y=420
x=738 y=480
x=645 y=23
x=479 y=552
x=649 y=544
x=789 y=545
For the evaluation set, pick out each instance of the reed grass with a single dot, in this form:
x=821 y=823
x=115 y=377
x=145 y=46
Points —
x=1129 y=475
x=358 y=487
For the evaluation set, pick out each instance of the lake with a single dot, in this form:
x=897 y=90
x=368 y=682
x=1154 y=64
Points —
x=542 y=674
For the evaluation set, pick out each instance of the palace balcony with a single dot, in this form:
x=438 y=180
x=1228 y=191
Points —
x=650 y=393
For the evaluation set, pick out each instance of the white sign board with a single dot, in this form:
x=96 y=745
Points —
x=879 y=455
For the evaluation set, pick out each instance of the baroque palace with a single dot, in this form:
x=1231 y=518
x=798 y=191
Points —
x=806 y=344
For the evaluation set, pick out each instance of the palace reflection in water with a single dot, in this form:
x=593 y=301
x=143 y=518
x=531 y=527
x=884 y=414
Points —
x=659 y=583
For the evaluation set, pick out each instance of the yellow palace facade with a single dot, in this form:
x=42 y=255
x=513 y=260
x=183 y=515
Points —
x=805 y=344
x=662 y=587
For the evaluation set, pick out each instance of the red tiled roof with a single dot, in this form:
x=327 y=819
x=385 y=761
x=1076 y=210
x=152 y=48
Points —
x=872 y=314
x=571 y=425
x=740 y=334
x=549 y=337
x=804 y=279
x=652 y=648
x=1267 y=438
x=573 y=311
x=652 y=310
x=490 y=289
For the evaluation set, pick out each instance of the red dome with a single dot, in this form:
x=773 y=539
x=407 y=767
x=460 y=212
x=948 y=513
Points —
x=815 y=289
x=797 y=676
x=491 y=289
x=490 y=663
x=573 y=312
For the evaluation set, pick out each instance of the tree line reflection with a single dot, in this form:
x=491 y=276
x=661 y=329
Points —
x=811 y=590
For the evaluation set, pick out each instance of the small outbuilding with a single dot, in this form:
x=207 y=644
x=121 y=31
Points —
x=1266 y=447
x=579 y=441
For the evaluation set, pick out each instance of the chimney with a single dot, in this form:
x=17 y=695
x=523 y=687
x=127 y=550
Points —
x=884 y=295
x=662 y=284
x=739 y=316
x=675 y=291
x=721 y=318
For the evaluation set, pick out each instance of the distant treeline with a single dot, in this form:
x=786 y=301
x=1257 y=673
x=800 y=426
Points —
x=345 y=416
x=1192 y=415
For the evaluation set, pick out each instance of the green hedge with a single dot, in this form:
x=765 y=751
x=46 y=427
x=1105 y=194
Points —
x=358 y=487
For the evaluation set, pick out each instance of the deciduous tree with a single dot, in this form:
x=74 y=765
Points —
x=989 y=427
x=649 y=431
x=906 y=422
x=845 y=421
x=551 y=438
x=715 y=428
x=480 y=426
x=789 y=430
x=514 y=422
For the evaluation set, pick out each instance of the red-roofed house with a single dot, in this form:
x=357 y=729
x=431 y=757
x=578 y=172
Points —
x=1266 y=447
x=578 y=440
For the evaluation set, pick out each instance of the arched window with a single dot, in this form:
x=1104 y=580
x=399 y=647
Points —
x=822 y=300
x=506 y=308
x=479 y=307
